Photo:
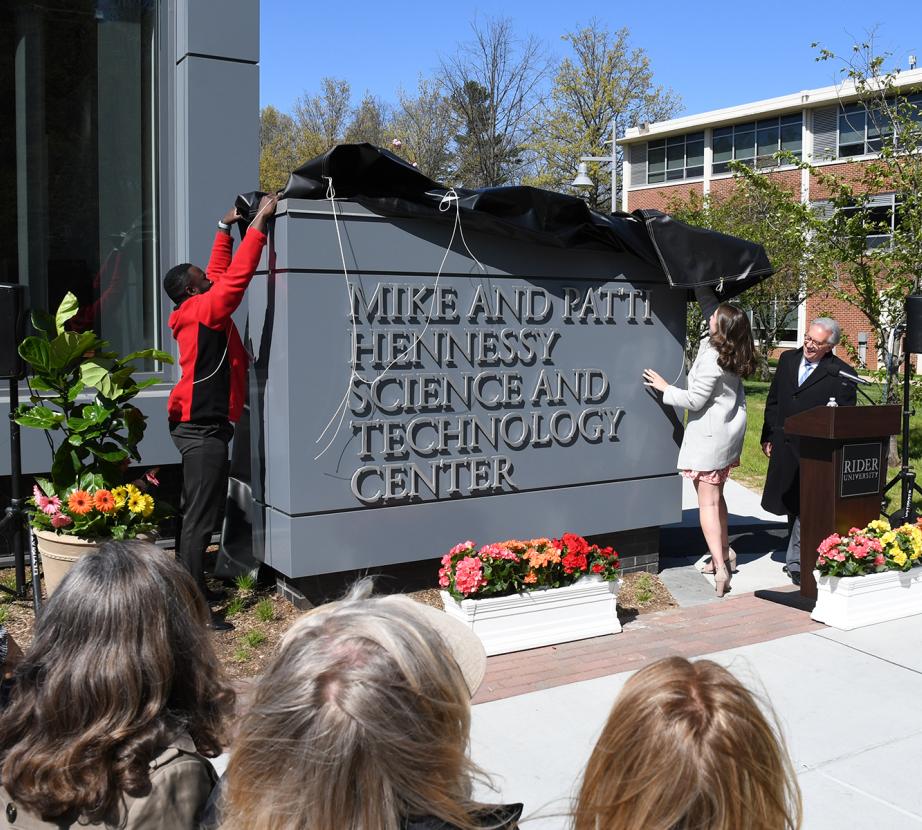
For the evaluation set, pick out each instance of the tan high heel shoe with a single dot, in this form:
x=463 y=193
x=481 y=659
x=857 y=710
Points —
x=722 y=580
x=731 y=558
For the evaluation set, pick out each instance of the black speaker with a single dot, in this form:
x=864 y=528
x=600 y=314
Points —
x=914 y=324
x=12 y=329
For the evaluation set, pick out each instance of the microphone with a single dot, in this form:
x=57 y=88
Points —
x=854 y=378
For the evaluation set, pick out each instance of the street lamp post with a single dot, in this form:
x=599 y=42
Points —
x=582 y=175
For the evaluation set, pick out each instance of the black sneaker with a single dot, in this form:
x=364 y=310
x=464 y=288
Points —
x=219 y=624
x=795 y=577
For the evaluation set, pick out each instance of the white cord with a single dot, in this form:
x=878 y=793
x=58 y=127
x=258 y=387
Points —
x=343 y=407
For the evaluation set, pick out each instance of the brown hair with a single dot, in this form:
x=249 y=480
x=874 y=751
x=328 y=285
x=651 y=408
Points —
x=687 y=747
x=121 y=663
x=361 y=721
x=736 y=351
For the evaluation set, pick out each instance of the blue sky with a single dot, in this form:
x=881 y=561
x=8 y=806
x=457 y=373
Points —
x=713 y=54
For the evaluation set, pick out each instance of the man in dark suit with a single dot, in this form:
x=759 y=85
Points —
x=805 y=378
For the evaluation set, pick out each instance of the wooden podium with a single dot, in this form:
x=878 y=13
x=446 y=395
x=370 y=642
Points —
x=843 y=470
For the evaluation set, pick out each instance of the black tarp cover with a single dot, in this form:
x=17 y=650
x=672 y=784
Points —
x=389 y=186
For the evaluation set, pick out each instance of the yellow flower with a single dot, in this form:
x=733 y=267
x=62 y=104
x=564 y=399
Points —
x=136 y=502
x=120 y=494
x=132 y=490
x=879 y=525
x=899 y=557
x=148 y=505
x=888 y=538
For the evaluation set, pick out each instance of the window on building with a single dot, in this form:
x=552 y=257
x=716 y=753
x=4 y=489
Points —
x=782 y=318
x=879 y=218
x=77 y=157
x=864 y=130
x=675 y=158
x=755 y=143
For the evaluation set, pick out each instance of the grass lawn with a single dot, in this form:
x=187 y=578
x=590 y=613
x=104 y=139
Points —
x=754 y=465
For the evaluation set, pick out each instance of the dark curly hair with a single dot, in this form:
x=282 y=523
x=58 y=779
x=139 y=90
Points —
x=736 y=351
x=121 y=663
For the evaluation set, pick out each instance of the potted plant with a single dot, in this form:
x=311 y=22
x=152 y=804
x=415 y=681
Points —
x=82 y=391
x=869 y=575
x=522 y=594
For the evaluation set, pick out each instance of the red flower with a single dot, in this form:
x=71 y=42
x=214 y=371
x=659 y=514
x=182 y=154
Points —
x=575 y=544
x=575 y=562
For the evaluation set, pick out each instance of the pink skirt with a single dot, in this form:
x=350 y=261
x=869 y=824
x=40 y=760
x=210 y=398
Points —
x=710 y=476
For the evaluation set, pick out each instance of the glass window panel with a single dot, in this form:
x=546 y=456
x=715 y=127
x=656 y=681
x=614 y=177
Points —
x=723 y=147
x=675 y=175
x=77 y=104
x=745 y=128
x=766 y=122
x=791 y=137
x=694 y=153
x=656 y=145
x=721 y=167
x=792 y=120
x=846 y=150
x=694 y=137
x=692 y=172
x=768 y=140
x=676 y=141
x=675 y=156
x=652 y=178
x=851 y=127
x=744 y=145
x=656 y=160
x=719 y=132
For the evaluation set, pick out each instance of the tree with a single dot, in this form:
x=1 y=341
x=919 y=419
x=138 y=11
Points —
x=278 y=148
x=604 y=83
x=761 y=210
x=492 y=85
x=872 y=254
x=423 y=126
x=323 y=119
x=370 y=122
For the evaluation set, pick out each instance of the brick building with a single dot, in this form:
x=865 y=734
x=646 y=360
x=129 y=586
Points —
x=669 y=160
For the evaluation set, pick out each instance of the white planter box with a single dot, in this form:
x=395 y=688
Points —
x=849 y=602
x=540 y=618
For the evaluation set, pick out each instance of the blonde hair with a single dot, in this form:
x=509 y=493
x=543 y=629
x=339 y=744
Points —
x=361 y=720
x=687 y=748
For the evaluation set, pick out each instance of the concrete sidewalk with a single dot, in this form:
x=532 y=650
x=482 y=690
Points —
x=847 y=701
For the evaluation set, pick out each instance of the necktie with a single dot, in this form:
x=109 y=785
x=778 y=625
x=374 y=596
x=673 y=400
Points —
x=808 y=367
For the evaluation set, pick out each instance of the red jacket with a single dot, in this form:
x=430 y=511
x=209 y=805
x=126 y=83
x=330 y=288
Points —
x=211 y=354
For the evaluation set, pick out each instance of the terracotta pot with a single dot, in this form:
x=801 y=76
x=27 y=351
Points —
x=59 y=552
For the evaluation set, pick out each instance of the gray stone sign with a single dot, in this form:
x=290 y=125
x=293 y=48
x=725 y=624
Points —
x=405 y=397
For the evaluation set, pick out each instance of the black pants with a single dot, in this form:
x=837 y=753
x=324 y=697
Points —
x=205 y=466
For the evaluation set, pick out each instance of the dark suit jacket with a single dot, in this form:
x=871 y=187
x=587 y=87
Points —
x=786 y=398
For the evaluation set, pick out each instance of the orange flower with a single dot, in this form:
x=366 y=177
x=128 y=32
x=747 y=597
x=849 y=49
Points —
x=80 y=502
x=104 y=501
x=530 y=578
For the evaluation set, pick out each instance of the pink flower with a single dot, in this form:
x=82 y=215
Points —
x=461 y=546
x=497 y=552
x=152 y=479
x=446 y=559
x=879 y=559
x=47 y=504
x=469 y=575
x=61 y=520
x=444 y=580
x=829 y=543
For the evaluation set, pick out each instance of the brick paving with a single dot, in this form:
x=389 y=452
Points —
x=689 y=632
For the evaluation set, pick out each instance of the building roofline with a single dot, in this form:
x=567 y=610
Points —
x=793 y=102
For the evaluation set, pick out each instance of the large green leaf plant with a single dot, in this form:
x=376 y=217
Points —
x=83 y=391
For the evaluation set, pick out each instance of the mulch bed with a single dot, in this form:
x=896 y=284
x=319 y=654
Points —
x=246 y=651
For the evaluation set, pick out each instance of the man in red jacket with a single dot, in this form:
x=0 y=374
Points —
x=208 y=399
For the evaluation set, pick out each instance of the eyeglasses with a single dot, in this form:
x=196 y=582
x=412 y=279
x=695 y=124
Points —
x=809 y=341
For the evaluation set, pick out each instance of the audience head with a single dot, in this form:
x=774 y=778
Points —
x=361 y=721
x=731 y=335
x=120 y=664
x=687 y=747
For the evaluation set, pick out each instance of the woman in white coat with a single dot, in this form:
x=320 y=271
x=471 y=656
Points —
x=716 y=427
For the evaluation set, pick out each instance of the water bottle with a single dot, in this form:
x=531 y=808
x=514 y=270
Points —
x=832 y=402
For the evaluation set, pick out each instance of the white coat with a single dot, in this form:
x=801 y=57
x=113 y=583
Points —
x=716 y=404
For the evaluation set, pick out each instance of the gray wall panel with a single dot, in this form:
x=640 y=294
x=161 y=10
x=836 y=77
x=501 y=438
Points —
x=219 y=28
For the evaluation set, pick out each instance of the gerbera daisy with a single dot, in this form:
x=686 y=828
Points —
x=135 y=502
x=104 y=501
x=80 y=502
x=120 y=495
x=148 y=505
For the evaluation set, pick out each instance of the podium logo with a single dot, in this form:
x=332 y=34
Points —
x=861 y=469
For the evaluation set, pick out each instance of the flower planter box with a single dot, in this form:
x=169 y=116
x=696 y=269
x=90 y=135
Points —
x=848 y=602
x=540 y=618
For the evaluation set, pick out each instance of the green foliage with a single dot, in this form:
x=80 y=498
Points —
x=242 y=654
x=98 y=435
x=643 y=588
x=604 y=84
x=4 y=614
x=254 y=638
x=265 y=610
x=234 y=606
x=245 y=582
